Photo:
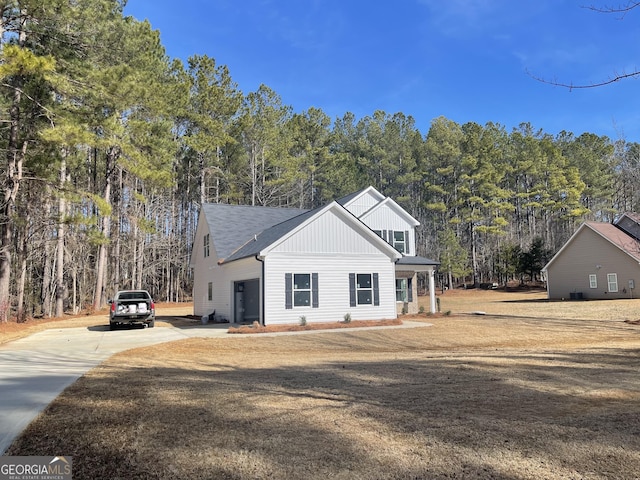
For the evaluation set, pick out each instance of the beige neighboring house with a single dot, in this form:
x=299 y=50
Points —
x=599 y=261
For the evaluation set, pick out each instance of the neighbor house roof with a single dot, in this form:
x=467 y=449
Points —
x=618 y=237
x=609 y=232
x=233 y=225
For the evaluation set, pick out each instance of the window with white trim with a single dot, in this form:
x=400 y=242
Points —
x=399 y=241
x=206 y=245
x=612 y=281
x=301 y=290
x=593 y=281
x=364 y=289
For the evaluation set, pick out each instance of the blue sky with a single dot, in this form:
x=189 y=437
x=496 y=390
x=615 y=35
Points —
x=466 y=60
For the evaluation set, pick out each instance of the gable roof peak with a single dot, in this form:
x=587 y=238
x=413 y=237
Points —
x=348 y=199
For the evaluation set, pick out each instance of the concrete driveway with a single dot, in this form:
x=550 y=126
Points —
x=35 y=369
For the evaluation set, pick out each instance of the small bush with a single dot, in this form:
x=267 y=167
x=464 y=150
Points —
x=347 y=317
x=303 y=321
x=421 y=310
x=447 y=313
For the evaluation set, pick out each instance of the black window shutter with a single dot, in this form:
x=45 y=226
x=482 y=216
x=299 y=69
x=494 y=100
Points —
x=288 y=291
x=314 y=290
x=352 y=289
x=410 y=289
x=376 y=291
x=406 y=242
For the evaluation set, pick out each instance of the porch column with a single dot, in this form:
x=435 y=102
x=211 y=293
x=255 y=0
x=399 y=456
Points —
x=432 y=290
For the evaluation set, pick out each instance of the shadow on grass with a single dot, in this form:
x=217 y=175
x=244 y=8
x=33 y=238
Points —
x=478 y=414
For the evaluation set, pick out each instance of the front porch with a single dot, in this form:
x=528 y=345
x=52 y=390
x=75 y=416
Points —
x=407 y=269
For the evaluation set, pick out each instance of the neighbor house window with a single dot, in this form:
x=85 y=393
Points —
x=363 y=289
x=301 y=290
x=593 y=281
x=612 y=280
x=206 y=245
x=210 y=291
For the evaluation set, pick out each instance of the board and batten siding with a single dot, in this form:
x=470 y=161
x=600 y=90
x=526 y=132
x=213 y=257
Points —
x=385 y=218
x=591 y=254
x=329 y=233
x=333 y=286
x=363 y=203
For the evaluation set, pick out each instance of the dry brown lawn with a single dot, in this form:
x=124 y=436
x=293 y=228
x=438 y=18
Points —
x=530 y=390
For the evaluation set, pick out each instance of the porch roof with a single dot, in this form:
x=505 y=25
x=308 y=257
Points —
x=416 y=263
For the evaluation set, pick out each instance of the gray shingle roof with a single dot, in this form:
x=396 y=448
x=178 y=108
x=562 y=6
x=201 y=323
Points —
x=262 y=240
x=409 y=260
x=234 y=225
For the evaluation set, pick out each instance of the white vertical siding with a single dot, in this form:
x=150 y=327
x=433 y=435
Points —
x=385 y=218
x=363 y=203
x=333 y=281
x=329 y=233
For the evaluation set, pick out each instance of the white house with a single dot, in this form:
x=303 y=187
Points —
x=355 y=255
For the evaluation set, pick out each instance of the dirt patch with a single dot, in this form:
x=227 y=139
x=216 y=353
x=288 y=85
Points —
x=473 y=396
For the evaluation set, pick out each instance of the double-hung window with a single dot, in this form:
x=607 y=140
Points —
x=612 y=281
x=301 y=290
x=206 y=245
x=593 y=281
x=363 y=289
x=399 y=241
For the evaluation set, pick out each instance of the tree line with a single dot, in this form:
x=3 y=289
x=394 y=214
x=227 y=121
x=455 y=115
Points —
x=109 y=147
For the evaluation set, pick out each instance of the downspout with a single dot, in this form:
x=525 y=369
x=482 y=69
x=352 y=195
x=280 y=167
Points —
x=262 y=319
